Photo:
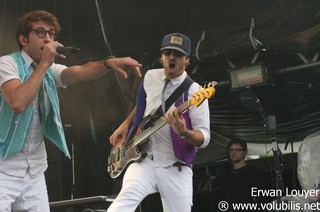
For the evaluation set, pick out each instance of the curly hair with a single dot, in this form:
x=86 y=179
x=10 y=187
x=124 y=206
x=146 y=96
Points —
x=25 y=23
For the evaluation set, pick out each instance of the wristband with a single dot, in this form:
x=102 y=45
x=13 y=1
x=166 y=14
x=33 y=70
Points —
x=184 y=135
x=105 y=61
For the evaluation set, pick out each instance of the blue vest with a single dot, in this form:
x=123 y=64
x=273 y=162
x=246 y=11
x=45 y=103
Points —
x=15 y=127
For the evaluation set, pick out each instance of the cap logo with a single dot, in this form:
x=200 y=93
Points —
x=176 y=40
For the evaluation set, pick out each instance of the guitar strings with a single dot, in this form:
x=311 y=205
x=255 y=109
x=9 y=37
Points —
x=158 y=124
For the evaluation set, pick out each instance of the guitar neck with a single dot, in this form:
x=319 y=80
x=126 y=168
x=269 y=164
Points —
x=143 y=135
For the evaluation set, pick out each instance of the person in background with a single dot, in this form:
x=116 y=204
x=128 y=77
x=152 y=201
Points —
x=170 y=150
x=241 y=177
x=29 y=108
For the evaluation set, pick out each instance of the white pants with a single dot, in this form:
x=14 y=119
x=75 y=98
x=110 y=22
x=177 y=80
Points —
x=142 y=179
x=23 y=194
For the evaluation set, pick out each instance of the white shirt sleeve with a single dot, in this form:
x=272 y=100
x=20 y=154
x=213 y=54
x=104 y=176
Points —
x=200 y=116
x=8 y=69
x=57 y=69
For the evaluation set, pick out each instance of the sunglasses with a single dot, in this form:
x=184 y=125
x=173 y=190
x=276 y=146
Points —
x=42 y=32
x=168 y=52
x=235 y=150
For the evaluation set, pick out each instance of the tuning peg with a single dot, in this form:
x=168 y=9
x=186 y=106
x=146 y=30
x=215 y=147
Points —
x=212 y=83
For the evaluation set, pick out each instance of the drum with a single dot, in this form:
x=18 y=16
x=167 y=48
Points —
x=308 y=167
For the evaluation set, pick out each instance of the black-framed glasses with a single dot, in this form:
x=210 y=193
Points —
x=41 y=33
x=176 y=53
x=235 y=150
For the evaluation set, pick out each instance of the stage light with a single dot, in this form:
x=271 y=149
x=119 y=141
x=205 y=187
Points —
x=247 y=76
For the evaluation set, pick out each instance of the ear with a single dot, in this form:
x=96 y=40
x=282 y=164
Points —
x=22 y=40
x=246 y=153
x=187 y=59
x=161 y=58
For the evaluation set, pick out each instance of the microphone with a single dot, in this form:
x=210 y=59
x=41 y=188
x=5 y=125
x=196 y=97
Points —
x=67 y=50
x=272 y=125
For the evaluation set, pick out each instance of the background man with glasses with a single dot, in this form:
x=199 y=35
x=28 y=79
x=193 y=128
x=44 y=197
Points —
x=29 y=108
x=164 y=170
x=241 y=177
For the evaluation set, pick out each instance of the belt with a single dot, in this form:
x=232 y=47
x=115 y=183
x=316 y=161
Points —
x=180 y=164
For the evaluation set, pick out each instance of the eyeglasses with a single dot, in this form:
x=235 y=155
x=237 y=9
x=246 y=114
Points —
x=42 y=32
x=167 y=52
x=235 y=150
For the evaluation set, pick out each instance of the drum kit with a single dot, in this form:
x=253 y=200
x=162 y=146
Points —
x=308 y=168
x=308 y=172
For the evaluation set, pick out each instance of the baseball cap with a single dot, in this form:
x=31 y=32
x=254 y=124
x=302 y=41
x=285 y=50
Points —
x=177 y=41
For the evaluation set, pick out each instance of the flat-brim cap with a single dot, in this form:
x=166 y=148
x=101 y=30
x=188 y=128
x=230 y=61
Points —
x=177 y=41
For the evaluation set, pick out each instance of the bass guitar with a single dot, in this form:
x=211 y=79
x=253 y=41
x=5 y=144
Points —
x=129 y=151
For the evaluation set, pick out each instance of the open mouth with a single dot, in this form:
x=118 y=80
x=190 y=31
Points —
x=172 y=65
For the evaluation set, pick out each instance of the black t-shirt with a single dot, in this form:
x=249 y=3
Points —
x=237 y=184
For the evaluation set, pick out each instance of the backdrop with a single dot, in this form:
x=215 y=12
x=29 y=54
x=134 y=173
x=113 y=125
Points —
x=225 y=35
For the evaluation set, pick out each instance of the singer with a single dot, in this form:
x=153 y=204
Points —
x=29 y=108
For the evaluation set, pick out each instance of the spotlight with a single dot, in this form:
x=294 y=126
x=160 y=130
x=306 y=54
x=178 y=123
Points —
x=248 y=76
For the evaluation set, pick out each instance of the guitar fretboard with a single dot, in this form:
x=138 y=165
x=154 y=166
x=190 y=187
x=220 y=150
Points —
x=157 y=125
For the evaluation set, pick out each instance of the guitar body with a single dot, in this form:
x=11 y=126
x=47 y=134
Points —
x=128 y=152
x=119 y=160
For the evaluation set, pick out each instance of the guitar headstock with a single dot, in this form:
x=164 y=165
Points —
x=205 y=92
